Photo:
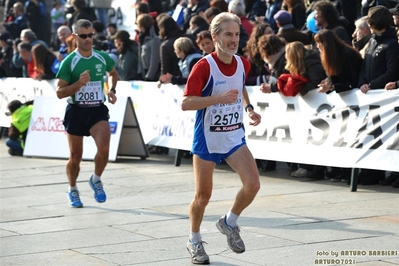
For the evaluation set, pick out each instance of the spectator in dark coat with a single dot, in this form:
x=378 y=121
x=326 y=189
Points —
x=255 y=9
x=169 y=31
x=19 y=23
x=197 y=24
x=46 y=62
x=287 y=30
x=149 y=48
x=259 y=72
x=327 y=17
x=297 y=10
x=188 y=55
x=128 y=61
x=35 y=12
x=341 y=62
x=380 y=66
x=195 y=7
x=81 y=11
x=381 y=62
x=272 y=50
x=273 y=6
x=7 y=51
x=306 y=63
x=3 y=73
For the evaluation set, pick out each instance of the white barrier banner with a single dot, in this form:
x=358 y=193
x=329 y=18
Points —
x=349 y=129
x=23 y=89
x=47 y=138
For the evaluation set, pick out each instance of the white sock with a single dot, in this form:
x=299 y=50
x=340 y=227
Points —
x=231 y=219
x=195 y=237
x=73 y=188
x=96 y=178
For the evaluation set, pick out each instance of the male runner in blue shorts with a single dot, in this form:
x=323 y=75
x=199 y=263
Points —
x=81 y=79
x=215 y=88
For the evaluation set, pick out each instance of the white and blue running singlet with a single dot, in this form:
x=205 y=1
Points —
x=219 y=128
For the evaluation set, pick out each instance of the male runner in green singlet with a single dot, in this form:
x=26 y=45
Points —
x=81 y=79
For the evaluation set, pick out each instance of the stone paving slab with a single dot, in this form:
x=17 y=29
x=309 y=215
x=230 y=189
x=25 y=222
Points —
x=145 y=219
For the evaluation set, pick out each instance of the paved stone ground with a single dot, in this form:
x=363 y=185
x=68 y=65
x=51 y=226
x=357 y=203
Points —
x=145 y=222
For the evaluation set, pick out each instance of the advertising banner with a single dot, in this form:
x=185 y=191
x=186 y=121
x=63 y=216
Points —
x=350 y=129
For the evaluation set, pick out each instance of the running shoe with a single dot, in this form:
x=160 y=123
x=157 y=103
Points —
x=99 y=193
x=197 y=252
x=233 y=235
x=74 y=199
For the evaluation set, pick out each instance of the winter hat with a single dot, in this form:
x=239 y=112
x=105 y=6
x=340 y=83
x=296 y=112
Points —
x=283 y=17
x=121 y=35
x=379 y=17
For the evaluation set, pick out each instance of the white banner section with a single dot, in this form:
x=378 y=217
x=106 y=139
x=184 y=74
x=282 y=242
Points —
x=47 y=138
x=22 y=89
x=350 y=129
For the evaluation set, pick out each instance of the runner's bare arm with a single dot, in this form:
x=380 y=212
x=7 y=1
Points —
x=113 y=78
x=64 y=89
x=198 y=102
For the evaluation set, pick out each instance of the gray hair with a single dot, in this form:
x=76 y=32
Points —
x=183 y=44
x=81 y=23
x=215 y=27
x=362 y=23
x=237 y=7
x=28 y=34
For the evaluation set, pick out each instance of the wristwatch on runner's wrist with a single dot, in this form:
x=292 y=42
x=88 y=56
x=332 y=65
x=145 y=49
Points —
x=249 y=106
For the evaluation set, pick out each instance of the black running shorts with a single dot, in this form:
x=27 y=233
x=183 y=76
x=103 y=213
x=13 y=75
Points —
x=78 y=121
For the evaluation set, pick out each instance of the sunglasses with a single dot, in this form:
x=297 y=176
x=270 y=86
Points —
x=84 y=36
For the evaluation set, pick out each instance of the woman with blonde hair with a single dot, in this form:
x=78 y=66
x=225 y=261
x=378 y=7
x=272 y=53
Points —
x=303 y=65
x=188 y=55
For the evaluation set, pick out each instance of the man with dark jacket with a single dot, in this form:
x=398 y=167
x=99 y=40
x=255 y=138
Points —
x=19 y=23
x=327 y=17
x=381 y=62
x=7 y=51
x=380 y=66
x=195 y=7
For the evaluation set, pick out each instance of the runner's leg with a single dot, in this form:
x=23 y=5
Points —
x=203 y=171
x=244 y=164
x=75 y=157
x=101 y=134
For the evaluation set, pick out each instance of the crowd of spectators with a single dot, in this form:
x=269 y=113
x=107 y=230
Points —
x=294 y=46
